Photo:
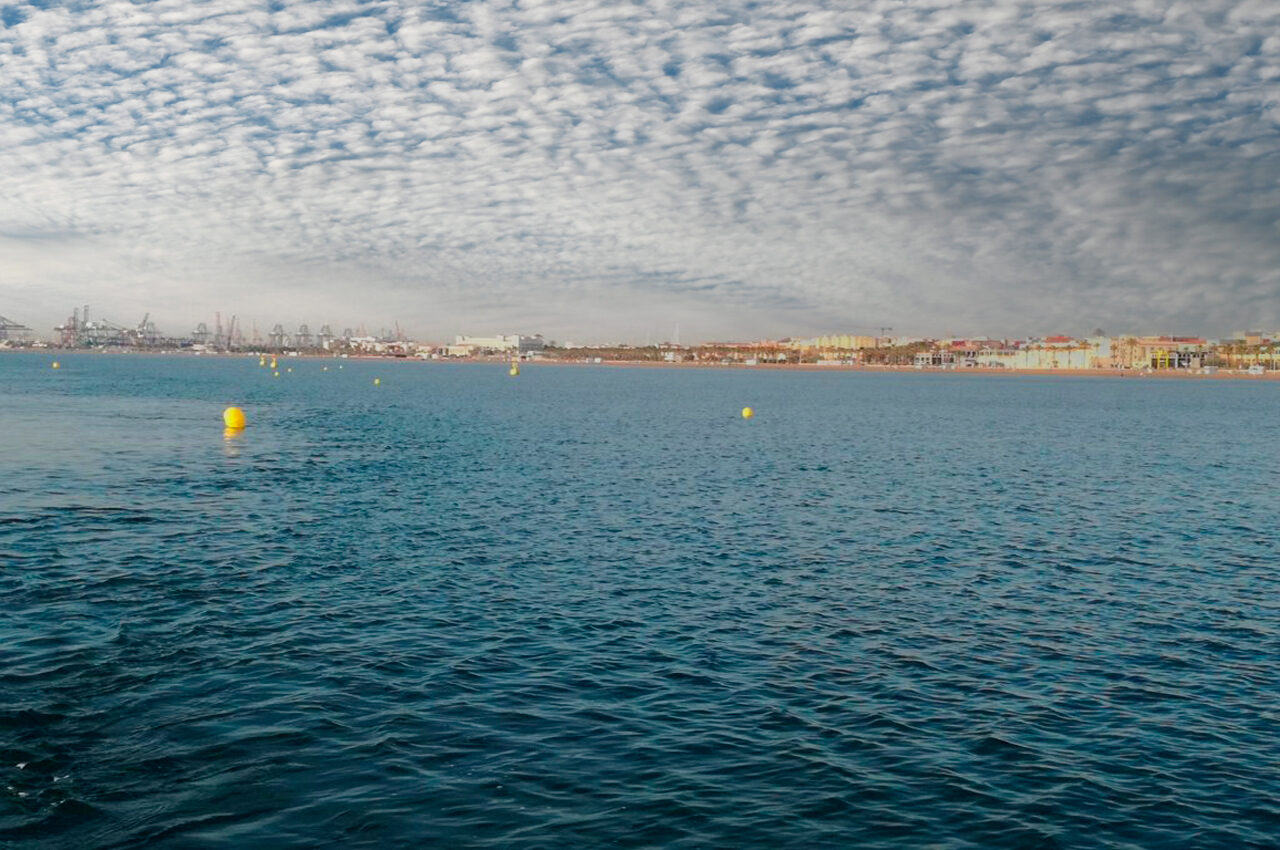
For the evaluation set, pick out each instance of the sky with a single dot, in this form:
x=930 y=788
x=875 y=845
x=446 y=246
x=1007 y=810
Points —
x=644 y=170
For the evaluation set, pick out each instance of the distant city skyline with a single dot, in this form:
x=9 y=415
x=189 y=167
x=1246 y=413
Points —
x=599 y=172
x=228 y=326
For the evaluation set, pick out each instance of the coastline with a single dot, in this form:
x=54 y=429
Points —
x=911 y=370
x=1161 y=374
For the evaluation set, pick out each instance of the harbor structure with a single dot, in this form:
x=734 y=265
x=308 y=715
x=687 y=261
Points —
x=11 y=330
x=79 y=331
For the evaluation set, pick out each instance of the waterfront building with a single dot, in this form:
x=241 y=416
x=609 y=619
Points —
x=517 y=344
x=835 y=343
x=1253 y=337
x=1053 y=352
x=1159 y=352
x=1239 y=355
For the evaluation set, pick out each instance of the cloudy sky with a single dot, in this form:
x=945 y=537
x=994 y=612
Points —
x=595 y=170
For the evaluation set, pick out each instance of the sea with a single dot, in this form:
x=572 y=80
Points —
x=593 y=606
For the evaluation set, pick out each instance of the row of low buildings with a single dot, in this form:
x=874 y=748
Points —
x=1256 y=351
x=1245 y=350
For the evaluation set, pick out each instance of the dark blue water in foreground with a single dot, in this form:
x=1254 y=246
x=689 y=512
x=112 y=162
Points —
x=592 y=607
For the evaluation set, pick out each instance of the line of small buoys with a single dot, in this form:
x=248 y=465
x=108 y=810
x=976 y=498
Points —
x=273 y=366
x=235 y=414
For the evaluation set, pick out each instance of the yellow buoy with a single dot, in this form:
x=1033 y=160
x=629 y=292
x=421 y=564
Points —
x=377 y=381
x=57 y=365
x=514 y=370
x=233 y=417
x=747 y=413
x=262 y=361
x=275 y=374
x=273 y=363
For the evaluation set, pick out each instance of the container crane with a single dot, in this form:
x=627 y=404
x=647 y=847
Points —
x=9 y=326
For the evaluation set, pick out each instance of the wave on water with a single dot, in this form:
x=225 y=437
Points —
x=591 y=608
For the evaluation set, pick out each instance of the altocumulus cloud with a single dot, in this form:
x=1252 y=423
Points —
x=606 y=169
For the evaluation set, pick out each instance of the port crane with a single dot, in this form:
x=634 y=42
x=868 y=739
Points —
x=9 y=326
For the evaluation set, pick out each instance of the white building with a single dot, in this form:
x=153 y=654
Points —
x=465 y=346
x=1055 y=352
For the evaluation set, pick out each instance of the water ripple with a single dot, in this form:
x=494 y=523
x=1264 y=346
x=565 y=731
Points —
x=594 y=608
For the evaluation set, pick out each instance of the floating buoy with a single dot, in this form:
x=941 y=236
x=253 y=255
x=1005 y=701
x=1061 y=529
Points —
x=515 y=370
x=57 y=365
x=275 y=374
x=290 y=369
x=324 y=368
x=747 y=413
x=262 y=361
x=273 y=363
x=233 y=418
x=377 y=381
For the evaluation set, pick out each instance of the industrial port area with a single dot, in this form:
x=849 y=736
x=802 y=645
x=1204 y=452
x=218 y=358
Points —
x=1248 y=352
x=80 y=331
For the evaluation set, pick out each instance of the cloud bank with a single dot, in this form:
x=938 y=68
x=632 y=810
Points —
x=596 y=170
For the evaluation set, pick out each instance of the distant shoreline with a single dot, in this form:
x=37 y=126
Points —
x=1177 y=374
x=903 y=370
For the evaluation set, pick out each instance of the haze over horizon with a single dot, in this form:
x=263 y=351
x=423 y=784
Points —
x=594 y=172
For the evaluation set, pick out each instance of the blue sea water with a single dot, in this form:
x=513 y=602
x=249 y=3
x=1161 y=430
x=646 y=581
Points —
x=593 y=607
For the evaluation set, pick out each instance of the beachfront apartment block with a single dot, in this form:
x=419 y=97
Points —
x=836 y=342
x=1159 y=352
